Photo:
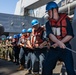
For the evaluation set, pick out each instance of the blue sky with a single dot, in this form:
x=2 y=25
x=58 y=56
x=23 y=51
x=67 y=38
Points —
x=8 y=6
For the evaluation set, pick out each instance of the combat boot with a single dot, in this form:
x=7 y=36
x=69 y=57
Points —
x=21 y=67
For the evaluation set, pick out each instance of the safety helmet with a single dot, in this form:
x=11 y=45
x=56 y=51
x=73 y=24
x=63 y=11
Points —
x=51 y=5
x=34 y=22
x=7 y=37
x=20 y=34
x=29 y=30
x=10 y=37
x=15 y=36
x=24 y=31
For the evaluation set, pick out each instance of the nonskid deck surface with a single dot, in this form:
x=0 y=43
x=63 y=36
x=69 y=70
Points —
x=10 y=68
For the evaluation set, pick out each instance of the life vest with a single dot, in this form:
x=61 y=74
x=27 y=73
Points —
x=37 y=36
x=59 y=27
x=28 y=38
x=23 y=39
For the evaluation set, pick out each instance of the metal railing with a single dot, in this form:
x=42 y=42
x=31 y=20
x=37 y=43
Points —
x=63 y=3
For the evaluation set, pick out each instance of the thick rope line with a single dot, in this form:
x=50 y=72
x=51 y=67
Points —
x=70 y=50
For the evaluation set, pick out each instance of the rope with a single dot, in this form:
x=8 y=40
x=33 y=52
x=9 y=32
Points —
x=70 y=50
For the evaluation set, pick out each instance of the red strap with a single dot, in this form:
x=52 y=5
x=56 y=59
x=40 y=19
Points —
x=62 y=16
x=32 y=40
x=40 y=29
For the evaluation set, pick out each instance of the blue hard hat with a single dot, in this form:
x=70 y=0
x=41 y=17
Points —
x=51 y=5
x=24 y=31
x=29 y=30
x=15 y=36
x=7 y=37
x=20 y=34
x=10 y=37
x=34 y=22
